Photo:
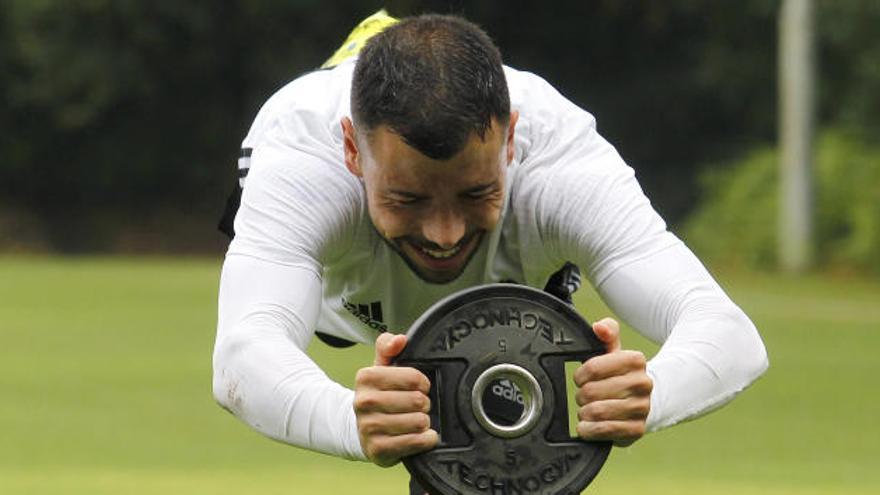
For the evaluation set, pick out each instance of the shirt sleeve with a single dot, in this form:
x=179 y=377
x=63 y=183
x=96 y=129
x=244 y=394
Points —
x=711 y=350
x=267 y=315
x=592 y=211
x=299 y=211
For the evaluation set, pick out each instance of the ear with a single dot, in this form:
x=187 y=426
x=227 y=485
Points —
x=514 y=116
x=349 y=144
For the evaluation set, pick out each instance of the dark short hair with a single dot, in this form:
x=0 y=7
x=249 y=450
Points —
x=433 y=80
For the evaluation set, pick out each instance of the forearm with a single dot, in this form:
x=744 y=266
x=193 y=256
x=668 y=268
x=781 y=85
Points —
x=261 y=372
x=703 y=365
x=711 y=350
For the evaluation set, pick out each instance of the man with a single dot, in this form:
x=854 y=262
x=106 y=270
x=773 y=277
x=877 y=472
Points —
x=421 y=168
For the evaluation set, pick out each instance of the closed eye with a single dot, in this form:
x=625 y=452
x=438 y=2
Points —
x=404 y=198
x=479 y=195
x=481 y=192
x=408 y=201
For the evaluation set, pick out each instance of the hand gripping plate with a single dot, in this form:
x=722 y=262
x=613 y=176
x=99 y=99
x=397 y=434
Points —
x=514 y=340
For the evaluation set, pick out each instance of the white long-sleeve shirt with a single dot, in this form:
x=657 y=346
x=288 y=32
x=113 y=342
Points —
x=306 y=258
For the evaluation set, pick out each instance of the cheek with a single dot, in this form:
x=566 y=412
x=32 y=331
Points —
x=389 y=222
x=486 y=216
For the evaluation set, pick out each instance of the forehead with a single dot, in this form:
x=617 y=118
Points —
x=397 y=164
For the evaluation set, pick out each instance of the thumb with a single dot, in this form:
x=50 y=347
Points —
x=608 y=331
x=388 y=345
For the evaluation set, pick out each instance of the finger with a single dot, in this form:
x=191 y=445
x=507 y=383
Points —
x=618 y=387
x=392 y=402
x=608 y=365
x=387 y=450
x=616 y=410
x=608 y=331
x=393 y=424
x=387 y=347
x=620 y=432
x=392 y=378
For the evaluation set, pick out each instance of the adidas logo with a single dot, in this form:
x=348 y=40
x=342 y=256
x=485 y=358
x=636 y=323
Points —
x=505 y=389
x=370 y=314
x=503 y=402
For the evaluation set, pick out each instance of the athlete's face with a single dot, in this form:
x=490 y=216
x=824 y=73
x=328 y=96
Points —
x=434 y=213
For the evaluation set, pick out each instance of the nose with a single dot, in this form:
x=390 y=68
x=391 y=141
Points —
x=445 y=228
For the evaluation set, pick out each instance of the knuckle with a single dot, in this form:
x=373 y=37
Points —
x=364 y=376
x=370 y=447
x=367 y=426
x=643 y=385
x=590 y=430
x=588 y=393
x=384 y=339
x=411 y=378
x=585 y=413
x=432 y=439
x=602 y=429
x=639 y=429
x=426 y=383
x=590 y=368
x=637 y=359
x=579 y=376
x=424 y=422
x=365 y=401
x=428 y=440
x=421 y=402
x=591 y=412
x=378 y=448
x=582 y=429
x=359 y=376
x=632 y=431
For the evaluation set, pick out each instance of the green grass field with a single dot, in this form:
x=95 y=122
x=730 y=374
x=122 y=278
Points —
x=105 y=388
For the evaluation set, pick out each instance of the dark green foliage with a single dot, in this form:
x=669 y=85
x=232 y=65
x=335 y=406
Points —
x=849 y=57
x=129 y=113
x=120 y=111
x=736 y=222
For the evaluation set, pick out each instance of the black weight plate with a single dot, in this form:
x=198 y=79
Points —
x=462 y=336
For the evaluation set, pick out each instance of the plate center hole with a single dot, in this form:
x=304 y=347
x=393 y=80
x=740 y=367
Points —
x=505 y=401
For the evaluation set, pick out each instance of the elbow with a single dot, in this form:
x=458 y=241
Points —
x=224 y=392
x=762 y=360
x=754 y=360
x=226 y=382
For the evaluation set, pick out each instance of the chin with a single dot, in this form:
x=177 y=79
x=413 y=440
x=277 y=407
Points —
x=442 y=271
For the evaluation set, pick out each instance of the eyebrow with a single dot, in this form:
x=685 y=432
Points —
x=470 y=190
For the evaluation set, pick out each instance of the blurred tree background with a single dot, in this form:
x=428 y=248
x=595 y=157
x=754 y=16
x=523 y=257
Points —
x=121 y=119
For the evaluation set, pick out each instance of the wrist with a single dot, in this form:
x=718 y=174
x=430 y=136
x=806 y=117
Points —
x=655 y=417
x=351 y=438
